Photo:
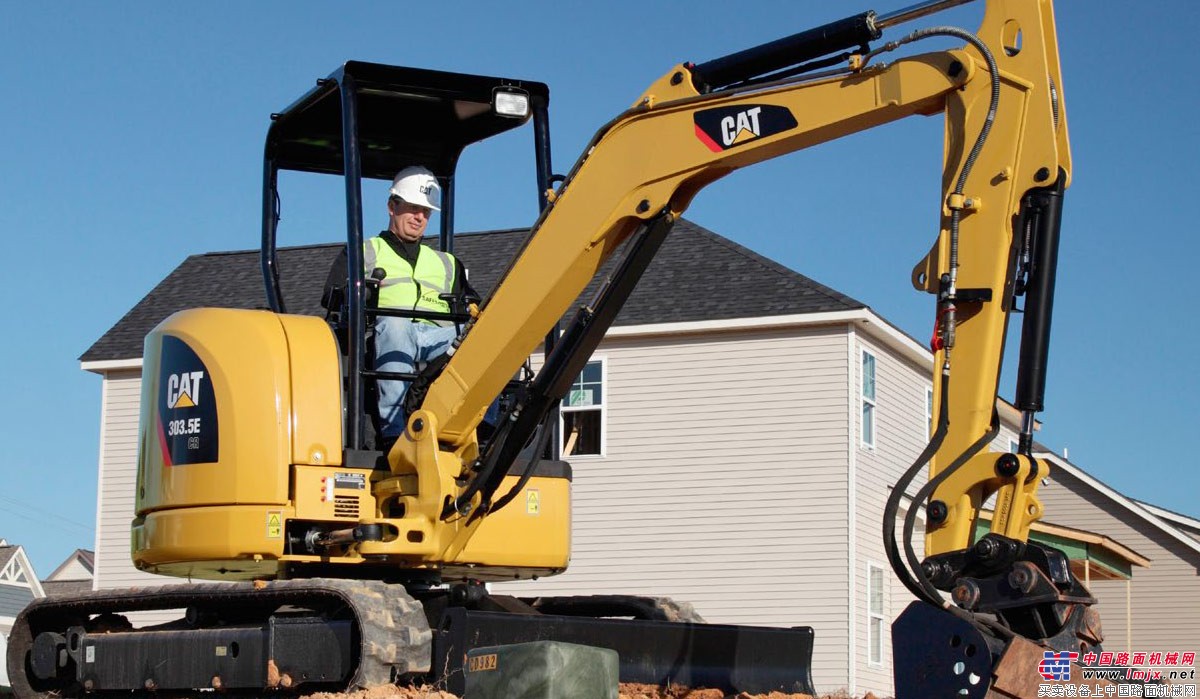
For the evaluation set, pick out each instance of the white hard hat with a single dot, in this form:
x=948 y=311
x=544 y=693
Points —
x=417 y=185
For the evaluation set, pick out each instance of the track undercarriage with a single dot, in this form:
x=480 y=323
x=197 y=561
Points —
x=299 y=636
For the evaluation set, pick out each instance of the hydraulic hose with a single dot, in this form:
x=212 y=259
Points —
x=893 y=502
x=542 y=441
x=924 y=493
x=909 y=567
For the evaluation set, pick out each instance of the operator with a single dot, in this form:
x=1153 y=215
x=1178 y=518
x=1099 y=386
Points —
x=417 y=278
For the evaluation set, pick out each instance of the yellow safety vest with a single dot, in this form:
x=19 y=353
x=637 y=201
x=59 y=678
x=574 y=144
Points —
x=406 y=287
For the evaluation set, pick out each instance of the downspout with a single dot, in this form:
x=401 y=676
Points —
x=1129 y=613
x=100 y=485
x=852 y=509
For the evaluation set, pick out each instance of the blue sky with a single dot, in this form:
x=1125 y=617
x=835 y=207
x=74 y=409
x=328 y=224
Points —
x=133 y=138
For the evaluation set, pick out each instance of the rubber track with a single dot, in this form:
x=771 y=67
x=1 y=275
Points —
x=395 y=635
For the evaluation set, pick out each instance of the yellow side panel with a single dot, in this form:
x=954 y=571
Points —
x=533 y=531
x=334 y=494
x=213 y=543
x=316 y=391
x=235 y=362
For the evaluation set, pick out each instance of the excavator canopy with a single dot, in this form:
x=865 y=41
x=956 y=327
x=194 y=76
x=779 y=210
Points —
x=405 y=116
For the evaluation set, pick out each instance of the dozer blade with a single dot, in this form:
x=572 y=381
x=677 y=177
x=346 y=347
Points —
x=733 y=659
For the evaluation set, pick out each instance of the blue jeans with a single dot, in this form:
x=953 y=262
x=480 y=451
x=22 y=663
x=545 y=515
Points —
x=400 y=344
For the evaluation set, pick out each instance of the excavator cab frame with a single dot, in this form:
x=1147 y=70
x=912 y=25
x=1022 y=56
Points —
x=391 y=117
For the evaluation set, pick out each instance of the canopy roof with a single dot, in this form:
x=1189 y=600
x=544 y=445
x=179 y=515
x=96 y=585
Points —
x=406 y=116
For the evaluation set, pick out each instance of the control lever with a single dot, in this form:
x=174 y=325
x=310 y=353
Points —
x=377 y=276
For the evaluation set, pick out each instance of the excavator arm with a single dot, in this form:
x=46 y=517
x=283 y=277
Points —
x=1006 y=166
x=1005 y=142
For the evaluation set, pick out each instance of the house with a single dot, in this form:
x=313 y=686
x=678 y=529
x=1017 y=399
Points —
x=733 y=439
x=18 y=587
x=1160 y=604
x=73 y=575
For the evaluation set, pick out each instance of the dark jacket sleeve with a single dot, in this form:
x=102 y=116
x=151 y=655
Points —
x=335 y=283
x=462 y=285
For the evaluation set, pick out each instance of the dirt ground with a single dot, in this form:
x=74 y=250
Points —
x=627 y=691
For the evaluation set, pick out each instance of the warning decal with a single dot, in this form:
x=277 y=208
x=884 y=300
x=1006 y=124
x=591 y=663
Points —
x=533 y=502
x=274 y=525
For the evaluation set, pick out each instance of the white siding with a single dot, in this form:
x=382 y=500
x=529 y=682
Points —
x=73 y=570
x=1164 y=612
x=4 y=629
x=724 y=483
x=901 y=432
x=118 y=480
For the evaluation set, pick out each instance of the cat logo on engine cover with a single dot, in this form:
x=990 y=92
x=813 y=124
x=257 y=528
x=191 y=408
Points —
x=187 y=406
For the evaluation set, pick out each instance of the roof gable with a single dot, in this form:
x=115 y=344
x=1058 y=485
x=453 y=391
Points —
x=1188 y=524
x=17 y=574
x=81 y=562
x=1119 y=499
x=697 y=275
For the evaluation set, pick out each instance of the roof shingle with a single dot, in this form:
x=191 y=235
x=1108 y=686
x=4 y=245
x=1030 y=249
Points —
x=697 y=275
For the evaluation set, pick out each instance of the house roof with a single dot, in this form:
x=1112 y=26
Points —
x=58 y=588
x=17 y=574
x=86 y=558
x=697 y=275
x=1117 y=498
x=1113 y=559
x=6 y=554
x=1176 y=518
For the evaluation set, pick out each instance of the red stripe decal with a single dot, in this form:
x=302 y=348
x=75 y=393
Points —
x=707 y=140
x=162 y=442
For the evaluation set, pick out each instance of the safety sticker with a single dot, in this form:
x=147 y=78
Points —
x=350 y=481
x=482 y=663
x=533 y=502
x=274 y=525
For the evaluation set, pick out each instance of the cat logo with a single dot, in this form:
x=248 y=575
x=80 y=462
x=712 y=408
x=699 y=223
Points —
x=183 y=390
x=725 y=127
x=739 y=127
x=426 y=189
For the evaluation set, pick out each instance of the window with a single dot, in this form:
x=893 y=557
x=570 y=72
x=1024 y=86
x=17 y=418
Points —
x=583 y=413
x=1013 y=447
x=868 y=399
x=929 y=411
x=875 y=613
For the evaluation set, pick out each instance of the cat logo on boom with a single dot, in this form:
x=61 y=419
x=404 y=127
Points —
x=726 y=127
x=183 y=390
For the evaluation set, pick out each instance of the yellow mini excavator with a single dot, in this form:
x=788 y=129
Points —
x=343 y=564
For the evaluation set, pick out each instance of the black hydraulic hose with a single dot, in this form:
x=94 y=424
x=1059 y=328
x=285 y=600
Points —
x=921 y=586
x=893 y=502
x=993 y=69
x=911 y=518
x=542 y=440
x=973 y=154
